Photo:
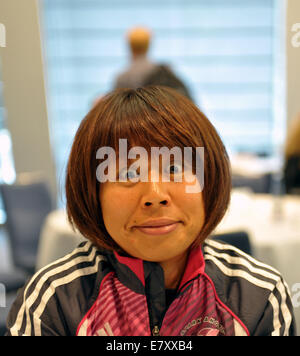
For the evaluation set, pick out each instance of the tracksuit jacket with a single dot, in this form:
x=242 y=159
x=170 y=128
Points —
x=90 y=292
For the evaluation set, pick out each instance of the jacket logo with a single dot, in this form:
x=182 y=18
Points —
x=200 y=328
x=208 y=332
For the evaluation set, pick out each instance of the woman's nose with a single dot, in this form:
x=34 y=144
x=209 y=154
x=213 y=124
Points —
x=155 y=195
x=153 y=203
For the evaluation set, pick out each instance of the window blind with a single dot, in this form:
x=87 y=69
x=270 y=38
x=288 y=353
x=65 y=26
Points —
x=222 y=49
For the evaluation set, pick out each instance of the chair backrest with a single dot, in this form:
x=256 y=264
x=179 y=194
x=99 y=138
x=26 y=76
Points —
x=261 y=185
x=292 y=174
x=238 y=239
x=26 y=206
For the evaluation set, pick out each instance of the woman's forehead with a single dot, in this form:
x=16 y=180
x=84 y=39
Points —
x=149 y=132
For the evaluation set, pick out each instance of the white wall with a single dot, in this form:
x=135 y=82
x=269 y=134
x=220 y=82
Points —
x=24 y=89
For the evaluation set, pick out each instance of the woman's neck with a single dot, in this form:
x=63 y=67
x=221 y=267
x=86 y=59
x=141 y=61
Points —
x=174 y=270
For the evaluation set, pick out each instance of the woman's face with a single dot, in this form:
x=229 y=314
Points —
x=153 y=221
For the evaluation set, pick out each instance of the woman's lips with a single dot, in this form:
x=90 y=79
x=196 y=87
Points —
x=158 y=230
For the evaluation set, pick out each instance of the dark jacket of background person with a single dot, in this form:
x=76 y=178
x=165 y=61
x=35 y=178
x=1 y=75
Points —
x=292 y=158
x=143 y=72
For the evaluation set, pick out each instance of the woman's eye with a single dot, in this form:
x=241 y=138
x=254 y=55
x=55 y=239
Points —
x=128 y=174
x=174 y=168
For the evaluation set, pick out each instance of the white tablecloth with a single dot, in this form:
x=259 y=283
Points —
x=57 y=239
x=273 y=225
x=248 y=165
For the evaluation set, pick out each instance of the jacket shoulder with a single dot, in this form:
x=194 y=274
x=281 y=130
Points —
x=254 y=291
x=56 y=297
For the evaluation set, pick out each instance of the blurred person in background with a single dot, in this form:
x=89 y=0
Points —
x=292 y=158
x=142 y=71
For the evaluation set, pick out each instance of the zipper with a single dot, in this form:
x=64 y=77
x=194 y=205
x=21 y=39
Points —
x=183 y=289
x=155 y=331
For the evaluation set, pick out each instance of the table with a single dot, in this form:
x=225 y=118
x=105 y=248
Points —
x=273 y=225
x=248 y=165
x=57 y=239
x=261 y=174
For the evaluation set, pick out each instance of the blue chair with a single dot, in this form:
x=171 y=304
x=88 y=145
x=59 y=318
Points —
x=239 y=239
x=259 y=185
x=26 y=207
x=10 y=298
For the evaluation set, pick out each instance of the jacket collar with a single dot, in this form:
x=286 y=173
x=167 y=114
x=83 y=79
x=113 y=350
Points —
x=194 y=267
x=136 y=266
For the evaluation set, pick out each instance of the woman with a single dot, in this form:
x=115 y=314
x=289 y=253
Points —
x=148 y=268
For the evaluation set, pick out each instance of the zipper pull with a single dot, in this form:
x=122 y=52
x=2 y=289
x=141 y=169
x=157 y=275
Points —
x=155 y=331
